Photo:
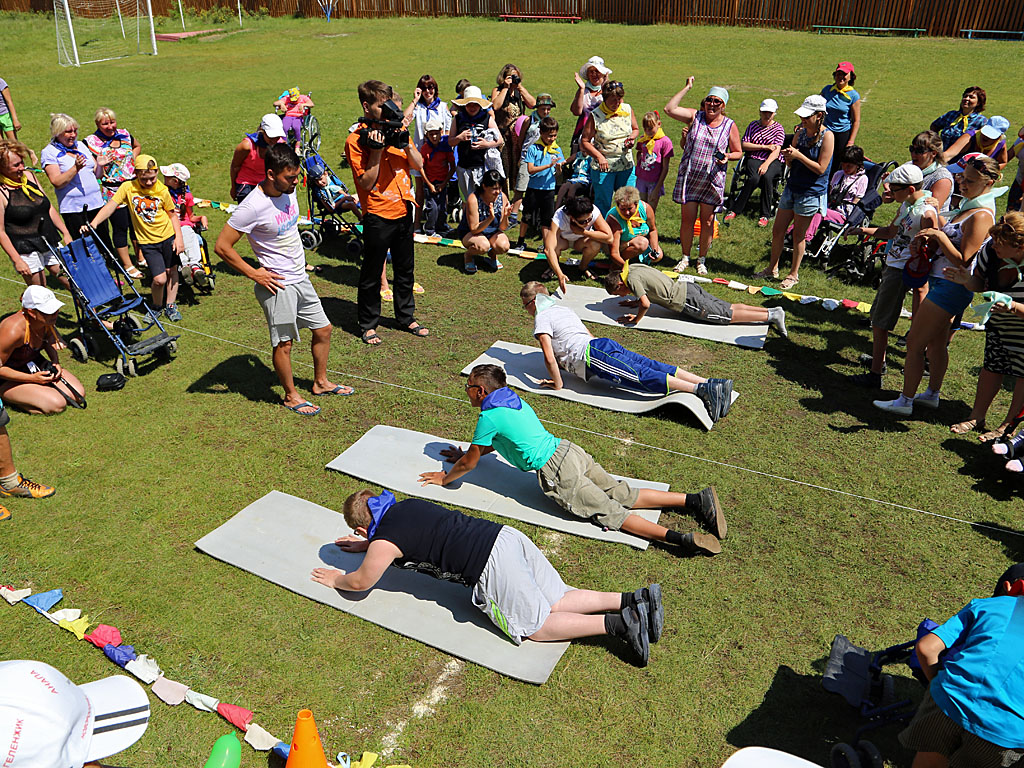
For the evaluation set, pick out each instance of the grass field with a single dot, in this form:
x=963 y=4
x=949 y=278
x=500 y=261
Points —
x=144 y=473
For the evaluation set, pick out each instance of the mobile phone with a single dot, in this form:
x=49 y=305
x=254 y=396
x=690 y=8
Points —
x=719 y=155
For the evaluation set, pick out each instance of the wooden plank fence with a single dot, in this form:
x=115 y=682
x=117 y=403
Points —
x=939 y=17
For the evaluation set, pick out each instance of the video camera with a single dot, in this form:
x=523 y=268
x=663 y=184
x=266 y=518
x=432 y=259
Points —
x=389 y=124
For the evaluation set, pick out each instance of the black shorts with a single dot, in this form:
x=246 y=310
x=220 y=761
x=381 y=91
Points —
x=159 y=256
x=539 y=205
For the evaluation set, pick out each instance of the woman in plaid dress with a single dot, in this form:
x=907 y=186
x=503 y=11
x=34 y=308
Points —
x=712 y=141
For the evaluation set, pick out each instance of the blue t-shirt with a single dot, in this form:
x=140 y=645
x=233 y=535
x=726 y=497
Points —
x=837 y=108
x=517 y=435
x=981 y=685
x=544 y=179
x=83 y=190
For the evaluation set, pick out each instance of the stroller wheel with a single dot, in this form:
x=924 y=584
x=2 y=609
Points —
x=79 y=352
x=131 y=369
x=844 y=756
x=330 y=228
x=457 y=215
x=170 y=350
x=211 y=283
x=870 y=756
x=308 y=239
x=354 y=247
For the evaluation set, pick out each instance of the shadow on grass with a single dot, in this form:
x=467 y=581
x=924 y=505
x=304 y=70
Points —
x=246 y=375
x=1011 y=539
x=826 y=719
x=984 y=467
x=342 y=313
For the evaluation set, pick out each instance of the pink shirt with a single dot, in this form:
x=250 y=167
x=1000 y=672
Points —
x=649 y=164
x=298 y=108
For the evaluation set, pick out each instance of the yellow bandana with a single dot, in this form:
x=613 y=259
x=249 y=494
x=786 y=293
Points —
x=649 y=143
x=634 y=221
x=843 y=91
x=619 y=111
x=28 y=189
x=625 y=271
x=552 y=148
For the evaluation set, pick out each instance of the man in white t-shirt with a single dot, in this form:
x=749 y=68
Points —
x=269 y=218
x=580 y=226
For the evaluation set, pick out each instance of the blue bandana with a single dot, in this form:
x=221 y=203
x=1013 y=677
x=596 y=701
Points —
x=119 y=135
x=62 y=150
x=378 y=506
x=502 y=398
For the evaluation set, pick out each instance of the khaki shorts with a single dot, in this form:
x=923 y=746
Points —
x=888 y=303
x=293 y=307
x=932 y=730
x=580 y=486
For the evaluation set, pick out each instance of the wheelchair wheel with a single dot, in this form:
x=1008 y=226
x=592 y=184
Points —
x=844 y=756
x=311 y=133
x=308 y=239
x=169 y=350
x=211 y=283
x=457 y=214
x=870 y=756
x=79 y=353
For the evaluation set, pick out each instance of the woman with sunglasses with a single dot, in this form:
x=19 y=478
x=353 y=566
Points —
x=711 y=142
x=950 y=248
x=426 y=105
x=608 y=138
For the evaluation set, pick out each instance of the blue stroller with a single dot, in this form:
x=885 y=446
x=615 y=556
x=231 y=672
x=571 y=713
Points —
x=98 y=297
x=327 y=208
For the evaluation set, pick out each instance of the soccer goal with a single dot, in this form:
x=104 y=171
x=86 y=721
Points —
x=100 y=30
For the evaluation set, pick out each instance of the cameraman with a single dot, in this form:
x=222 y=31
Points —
x=380 y=154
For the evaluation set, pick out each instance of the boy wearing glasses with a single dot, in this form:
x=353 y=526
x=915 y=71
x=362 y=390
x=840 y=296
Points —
x=568 y=475
x=580 y=226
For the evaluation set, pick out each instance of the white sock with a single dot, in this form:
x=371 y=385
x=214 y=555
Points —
x=903 y=400
x=930 y=394
x=10 y=481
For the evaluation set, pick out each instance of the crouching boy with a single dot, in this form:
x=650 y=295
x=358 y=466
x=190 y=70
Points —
x=512 y=581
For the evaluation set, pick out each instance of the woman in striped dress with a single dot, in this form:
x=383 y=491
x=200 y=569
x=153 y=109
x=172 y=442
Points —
x=999 y=268
x=711 y=142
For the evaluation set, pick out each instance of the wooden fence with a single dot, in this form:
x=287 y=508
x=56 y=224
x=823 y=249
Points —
x=938 y=17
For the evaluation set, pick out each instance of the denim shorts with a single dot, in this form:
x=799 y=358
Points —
x=802 y=203
x=948 y=296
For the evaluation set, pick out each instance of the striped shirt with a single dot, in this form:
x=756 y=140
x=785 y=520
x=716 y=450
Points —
x=758 y=134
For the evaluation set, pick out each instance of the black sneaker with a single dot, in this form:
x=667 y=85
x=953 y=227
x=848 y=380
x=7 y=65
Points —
x=726 y=387
x=711 y=395
x=637 y=632
x=901 y=341
x=866 y=360
x=711 y=515
x=701 y=544
x=868 y=380
x=655 y=611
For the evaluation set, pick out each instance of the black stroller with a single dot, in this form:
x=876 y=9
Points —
x=328 y=204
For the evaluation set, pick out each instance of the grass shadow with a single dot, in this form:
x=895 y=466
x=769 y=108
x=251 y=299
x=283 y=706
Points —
x=1011 y=539
x=984 y=467
x=342 y=313
x=246 y=375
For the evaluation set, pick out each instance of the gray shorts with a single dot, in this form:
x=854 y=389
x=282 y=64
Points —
x=702 y=307
x=517 y=586
x=579 y=485
x=522 y=177
x=294 y=306
x=888 y=303
x=932 y=730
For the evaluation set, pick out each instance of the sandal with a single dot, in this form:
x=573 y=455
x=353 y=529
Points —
x=303 y=404
x=417 y=330
x=387 y=295
x=547 y=274
x=767 y=273
x=417 y=288
x=133 y=273
x=971 y=425
x=788 y=283
x=371 y=338
x=992 y=434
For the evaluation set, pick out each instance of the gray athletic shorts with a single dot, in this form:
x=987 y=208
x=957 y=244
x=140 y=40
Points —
x=518 y=586
x=522 y=177
x=294 y=306
x=702 y=307
x=888 y=303
x=579 y=485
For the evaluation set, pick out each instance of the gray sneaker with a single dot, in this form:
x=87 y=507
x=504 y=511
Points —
x=637 y=632
x=655 y=611
x=171 y=313
x=711 y=515
x=711 y=395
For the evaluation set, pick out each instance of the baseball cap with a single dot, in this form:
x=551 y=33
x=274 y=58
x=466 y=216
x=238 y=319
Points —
x=844 y=66
x=177 y=170
x=811 y=105
x=545 y=100
x=146 y=163
x=769 y=105
x=433 y=124
x=959 y=165
x=46 y=720
x=40 y=298
x=995 y=127
x=907 y=174
x=272 y=126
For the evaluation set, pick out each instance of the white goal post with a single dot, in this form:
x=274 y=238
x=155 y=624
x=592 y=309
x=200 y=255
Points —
x=100 y=30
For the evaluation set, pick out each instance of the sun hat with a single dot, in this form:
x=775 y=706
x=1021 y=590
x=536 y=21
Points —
x=906 y=175
x=769 y=105
x=811 y=105
x=844 y=66
x=146 y=163
x=719 y=93
x=545 y=100
x=272 y=126
x=472 y=95
x=433 y=124
x=293 y=93
x=46 y=720
x=995 y=127
x=597 y=63
x=177 y=170
x=40 y=298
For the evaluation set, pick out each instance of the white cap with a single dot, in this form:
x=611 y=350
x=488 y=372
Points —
x=272 y=126
x=811 y=105
x=40 y=298
x=907 y=174
x=597 y=63
x=46 y=720
x=995 y=127
x=769 y=105
x=433 y=124
x=177 y=170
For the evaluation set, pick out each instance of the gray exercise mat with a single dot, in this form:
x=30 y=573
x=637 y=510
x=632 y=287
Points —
x=282 y=538
x=394 y=458
x=524 y=368
x=594 y=305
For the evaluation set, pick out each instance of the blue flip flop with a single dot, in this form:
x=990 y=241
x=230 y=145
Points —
x=336 y=391
x=303 y=404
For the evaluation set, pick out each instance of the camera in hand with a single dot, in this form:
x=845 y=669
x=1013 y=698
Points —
x=390 y=126
x=516 y=80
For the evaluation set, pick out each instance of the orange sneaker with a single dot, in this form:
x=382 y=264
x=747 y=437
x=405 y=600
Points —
x=28 y=489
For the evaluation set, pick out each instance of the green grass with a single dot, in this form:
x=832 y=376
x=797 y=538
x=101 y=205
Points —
x=144 y=473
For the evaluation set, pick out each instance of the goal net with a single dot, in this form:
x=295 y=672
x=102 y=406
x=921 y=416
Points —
x=99 y=30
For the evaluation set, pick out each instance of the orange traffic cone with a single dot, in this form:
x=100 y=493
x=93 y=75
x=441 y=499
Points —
x=307 y=750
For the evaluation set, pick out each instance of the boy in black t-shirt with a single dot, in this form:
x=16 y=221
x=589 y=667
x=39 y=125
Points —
x=511 y=580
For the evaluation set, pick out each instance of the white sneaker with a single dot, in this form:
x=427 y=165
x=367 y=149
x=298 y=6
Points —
x=893 y=406
x=701 y=268
x=928 y=401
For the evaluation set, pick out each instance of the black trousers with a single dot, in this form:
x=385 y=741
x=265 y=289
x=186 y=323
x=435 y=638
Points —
x=75 y=221
x=755 y=180
x=379 y=235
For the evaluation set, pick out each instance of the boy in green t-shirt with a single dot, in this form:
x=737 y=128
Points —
x=569 y=475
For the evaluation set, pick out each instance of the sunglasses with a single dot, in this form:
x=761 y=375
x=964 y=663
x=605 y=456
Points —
x=585 y=222
x=713 y=102
x=915 y=150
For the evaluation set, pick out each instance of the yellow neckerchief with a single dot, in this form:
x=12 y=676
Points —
x=551 y=149
x=633 y=222
x=649 y=143
x=989 y=144
x=964 y=119
x=625 y=272
x=28 y=189
x=843 y=91
x=619 y=111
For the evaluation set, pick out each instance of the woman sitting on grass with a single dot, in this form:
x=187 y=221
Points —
x=482 y=229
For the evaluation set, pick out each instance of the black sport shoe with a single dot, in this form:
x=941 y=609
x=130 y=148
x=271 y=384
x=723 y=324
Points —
x=726 y=387
x=655 y=611
x=637 y=634
x=868 y=379
x=711 y=515
x=711 y=395
x=701 y=544
x=866 y=360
